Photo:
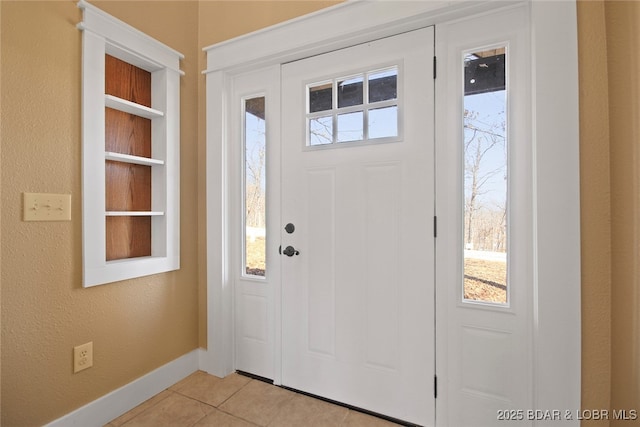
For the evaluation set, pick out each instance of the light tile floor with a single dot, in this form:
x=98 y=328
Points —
x=203 y=400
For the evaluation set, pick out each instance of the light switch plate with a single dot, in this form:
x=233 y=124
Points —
x=46 y=207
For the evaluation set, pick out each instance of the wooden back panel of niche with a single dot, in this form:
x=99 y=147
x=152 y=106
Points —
x=128 y=186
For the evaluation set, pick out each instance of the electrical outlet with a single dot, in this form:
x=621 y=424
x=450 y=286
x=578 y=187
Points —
x=46 y=207
x=82 y=357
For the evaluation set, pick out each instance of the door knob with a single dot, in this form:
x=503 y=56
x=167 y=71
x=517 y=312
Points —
x=290 y=251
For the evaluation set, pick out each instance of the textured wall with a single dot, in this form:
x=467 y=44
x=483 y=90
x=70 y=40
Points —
x=610 y=163
x=0 y=215
x=223 y=20
x=623 y=43
x=596 y=208
x=137 y=325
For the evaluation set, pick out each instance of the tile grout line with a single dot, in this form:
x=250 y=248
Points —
x=346 y=415
x=233 y=394
x=110 y=423
x=280 y=409
x=181 y=393
x=236 y=416
x=203 y=416
x=217 y=408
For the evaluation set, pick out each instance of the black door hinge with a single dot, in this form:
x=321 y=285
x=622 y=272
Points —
x=435 y=226
x=435 y=67
x=435 y=386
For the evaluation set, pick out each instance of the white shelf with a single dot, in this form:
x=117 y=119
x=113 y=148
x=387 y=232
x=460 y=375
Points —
x=131 y=107
x=134 y=213
x=125 y=261
x=127 y=158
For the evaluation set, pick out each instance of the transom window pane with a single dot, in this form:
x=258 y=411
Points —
x=321 y=97
x=383 y=85
x=350 y=92
x=321 y=130
x=350 y=127
x=485 y=177
x=356 y=108
x=255 y=187
x=383 y=122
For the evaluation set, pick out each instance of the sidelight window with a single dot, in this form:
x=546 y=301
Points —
x=255 y=146
x=486 y=210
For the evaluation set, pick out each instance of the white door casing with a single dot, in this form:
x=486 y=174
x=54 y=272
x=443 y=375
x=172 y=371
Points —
x=555 y=251
x=357 y=302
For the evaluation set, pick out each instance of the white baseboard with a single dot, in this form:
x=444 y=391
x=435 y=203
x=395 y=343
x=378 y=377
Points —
x=112 y=405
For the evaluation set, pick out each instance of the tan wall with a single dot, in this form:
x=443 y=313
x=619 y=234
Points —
x=595 y=212
x=222 y=20
x=137 y=325
x=623 y=43
x=0 y=215
x=610 y=163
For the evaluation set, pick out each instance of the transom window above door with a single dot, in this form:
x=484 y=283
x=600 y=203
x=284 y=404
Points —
x=357 y=108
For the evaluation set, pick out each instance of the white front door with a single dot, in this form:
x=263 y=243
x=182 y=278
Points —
x=358 y=253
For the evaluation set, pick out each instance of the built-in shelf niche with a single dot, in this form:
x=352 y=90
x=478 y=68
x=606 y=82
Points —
x=130 y=151
x=129 y=162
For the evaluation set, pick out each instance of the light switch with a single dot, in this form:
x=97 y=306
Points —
x=46 y=207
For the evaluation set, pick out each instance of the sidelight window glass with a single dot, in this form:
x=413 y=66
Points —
x=255 y=187
x=486 y=208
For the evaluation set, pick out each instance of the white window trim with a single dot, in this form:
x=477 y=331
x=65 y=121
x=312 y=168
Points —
x=556 y=205
x=104 y=34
